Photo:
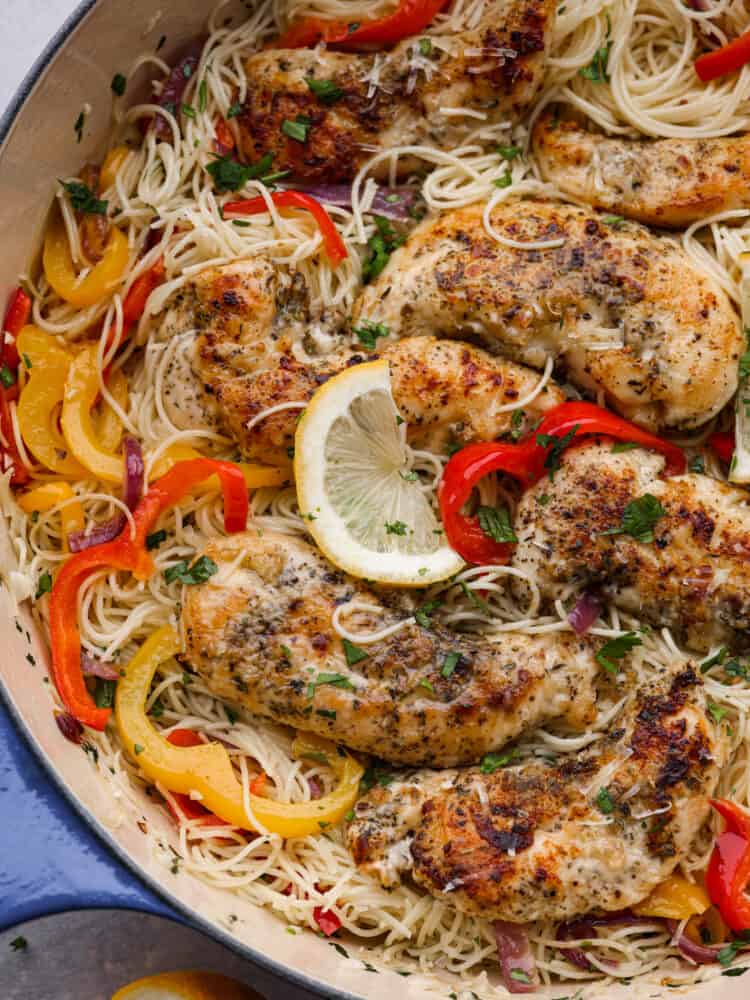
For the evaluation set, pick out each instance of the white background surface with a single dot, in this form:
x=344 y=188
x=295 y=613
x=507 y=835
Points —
x=87 y=956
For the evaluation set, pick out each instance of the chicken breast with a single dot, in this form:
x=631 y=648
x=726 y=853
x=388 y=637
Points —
x=664 y=182
x=693 y=577
x=447 y=392
x=626 y=312
x=550 y=840
x=260 y=632
x=432 y=93
x=240 y=323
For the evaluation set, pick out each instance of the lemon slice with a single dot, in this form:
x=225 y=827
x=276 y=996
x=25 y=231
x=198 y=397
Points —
x=365 y=511
x=186 y=986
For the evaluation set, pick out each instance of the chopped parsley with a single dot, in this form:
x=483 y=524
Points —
x=450 y=663
x=509 y=153
x=333 y=680
x=200 y=571
x=234 y=111
x=229 y=175
x=104 y=693
x=154 y=540
x=78 y=126
x=326 y=713
x=620 y=446
x=409 y=477
x=520 y=976
x=368 y=333
x=138 y=749
x=425 y=47
x=396 y=527
x=597 y=69
x=83 y=199
x=557 y=446
x=424 y=683
x=326 y=91
x=7 y=377
x=475 y=599
x=375 y=776
x=352 y=653
x=505 y=181
x=202 y=96
x=615 y=221
x=717 y=712
x=19 y=943
x=744 y=363
x=44 y=585
x=639 y=518
x=422 y=616
x=298 y=128
x=698 y=464
x=495 y=523
x=516 y=424
x=119 y=83
x=728 y=954
x=718 y=657
x=492 y=762
x=381 y=246
x=604 y=802
x=616 y=649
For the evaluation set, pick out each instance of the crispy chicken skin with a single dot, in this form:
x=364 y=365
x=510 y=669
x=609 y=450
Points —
x=395 y=98
x=663 y=182
x=445 y=391
x=530 y=842
x=247 y=317
x=694 y=577
x=260 y=632
x=606 y=284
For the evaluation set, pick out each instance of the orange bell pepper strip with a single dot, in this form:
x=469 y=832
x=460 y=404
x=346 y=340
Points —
x=411 y=17
x=128 y=554
x=335 y=246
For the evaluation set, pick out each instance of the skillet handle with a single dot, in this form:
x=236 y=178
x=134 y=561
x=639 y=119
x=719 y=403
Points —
x=50 y=861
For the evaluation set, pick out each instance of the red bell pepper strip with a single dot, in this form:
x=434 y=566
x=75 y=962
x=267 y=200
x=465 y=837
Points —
x=526 y=463
x=728 y=871
x=16 y=318
x=136 y=299
x=125 y=553
x=722 y=443
x=335 y=246
x=411 y=17
x=728 y=59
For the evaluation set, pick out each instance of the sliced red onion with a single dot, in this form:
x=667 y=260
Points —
x=92 y=667
x=516 y=960
x=701 y=954
x=316 y=789
x=105 y=532
x=393 y=203
x=584 y=929
x=584 y=614
x=175 y=85
x=132 y=489
x=70 y=728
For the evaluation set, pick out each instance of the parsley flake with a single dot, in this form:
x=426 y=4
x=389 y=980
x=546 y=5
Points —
x=495 y=523
x=119 y=83
x=200 y=571
x=639 y=518
x=616 y=649
x=326 y=91
x=396 y=527
x=83 y=199
x=557 y=446
x=297 y=129
x=334 y=680
x=368 y=333
x=492 y=762
x=604 y=802
x=352 y=653
x=450 y=663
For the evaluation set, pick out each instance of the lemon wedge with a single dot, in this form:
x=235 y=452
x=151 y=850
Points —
x=186 y=986
x=365 y=509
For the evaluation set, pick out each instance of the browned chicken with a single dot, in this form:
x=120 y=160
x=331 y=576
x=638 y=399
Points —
x=597 y=830
x=664 y=182
x=247 y=316
x=626 y=312
x=260 y=633
x=690 y=572
x=409 y=96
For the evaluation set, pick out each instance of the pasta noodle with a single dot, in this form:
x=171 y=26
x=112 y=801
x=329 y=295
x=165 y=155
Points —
x=164 y=201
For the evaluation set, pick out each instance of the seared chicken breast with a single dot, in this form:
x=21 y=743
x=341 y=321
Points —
x=241 y=322
x=409 y=96
x=549 y=840
x=664 y=182
x=447 y=392
x=693 y=577
x=626 y=313
x=260 y=632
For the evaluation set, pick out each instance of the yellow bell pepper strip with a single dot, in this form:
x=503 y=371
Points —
x=100 y=280
x=81 y=394
x=108 y=425
x=256 y=476
x=128 y=554
x=113 y=161
x=674 y=899
x=41 y=399
x=45 y=497
x=207 y=768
